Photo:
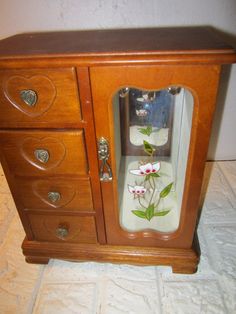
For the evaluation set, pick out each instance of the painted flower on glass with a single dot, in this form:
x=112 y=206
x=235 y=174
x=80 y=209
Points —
x=151 y=205
x=147 y=169
x=137 y=190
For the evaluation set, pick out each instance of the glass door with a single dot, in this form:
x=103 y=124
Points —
x=152 y=133
x=154 y=121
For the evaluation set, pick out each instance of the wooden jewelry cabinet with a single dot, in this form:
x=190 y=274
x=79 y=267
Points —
x=103 y=140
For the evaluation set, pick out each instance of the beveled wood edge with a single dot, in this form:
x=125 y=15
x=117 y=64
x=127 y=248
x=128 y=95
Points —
x=60 y=212
x=6 y=125
x=181 y=58
x=181 y=260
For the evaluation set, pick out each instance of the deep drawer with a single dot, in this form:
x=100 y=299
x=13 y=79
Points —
x=44 y=153
x=60 y=194
x=39 y=97
x=59 y=228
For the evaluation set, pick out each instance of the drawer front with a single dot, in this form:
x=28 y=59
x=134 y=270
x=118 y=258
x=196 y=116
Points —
x=60 y=194
x=39 y=97
x=61 y=228
x=44 y=153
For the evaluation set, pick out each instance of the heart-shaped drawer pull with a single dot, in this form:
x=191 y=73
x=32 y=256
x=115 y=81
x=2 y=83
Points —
x=42 y=155
x=62 y=232
x=54 y=197
x=29 y=97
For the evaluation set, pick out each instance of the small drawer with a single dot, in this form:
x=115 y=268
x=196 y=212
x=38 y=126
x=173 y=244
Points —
x=59 y=228
x=44 y=153
x=60 y=194
x=39 y=97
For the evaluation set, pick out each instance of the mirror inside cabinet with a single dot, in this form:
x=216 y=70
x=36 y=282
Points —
x=152 y=134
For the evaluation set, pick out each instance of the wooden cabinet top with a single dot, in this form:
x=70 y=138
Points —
x=153 y=45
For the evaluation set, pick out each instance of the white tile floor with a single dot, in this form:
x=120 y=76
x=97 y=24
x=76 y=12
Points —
x=64 y=287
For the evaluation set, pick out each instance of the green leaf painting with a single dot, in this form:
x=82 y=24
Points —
x=166 y=190
x=148 y=148
x=162 y=213
x=151 y=175
x=146 y=131
x=154 y=175
x=150 y=212
x=139 y=213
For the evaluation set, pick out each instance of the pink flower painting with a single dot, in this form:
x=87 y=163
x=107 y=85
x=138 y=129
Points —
x=137 y=190
x=147 y=169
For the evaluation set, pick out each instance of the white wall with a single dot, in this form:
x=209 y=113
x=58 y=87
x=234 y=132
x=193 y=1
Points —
x=18 y=16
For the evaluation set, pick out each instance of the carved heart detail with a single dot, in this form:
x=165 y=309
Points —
x=41 y=189
x=53 y=146
x=41 y=85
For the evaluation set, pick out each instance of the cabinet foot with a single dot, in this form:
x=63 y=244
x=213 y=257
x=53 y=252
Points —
x=36 y=260
x=184 y=269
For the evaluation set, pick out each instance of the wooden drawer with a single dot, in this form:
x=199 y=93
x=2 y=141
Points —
x=61 y=194
x=58 y=228
x=39 y=97
x=44 y=153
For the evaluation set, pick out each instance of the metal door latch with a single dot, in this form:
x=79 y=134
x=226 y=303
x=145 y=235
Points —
x=105 y=172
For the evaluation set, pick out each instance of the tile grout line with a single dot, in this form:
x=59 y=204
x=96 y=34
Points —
x=226 y=179
x=229 y=188
x=101 y=295
x=96 y=299
x=213 y=251
x=159 y=284
x=37 y=287
x=219 y=224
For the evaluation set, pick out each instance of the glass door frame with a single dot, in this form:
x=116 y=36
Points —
x=202 y=82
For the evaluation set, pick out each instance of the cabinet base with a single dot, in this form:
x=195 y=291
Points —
x=183 y=261
x=36 y=260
